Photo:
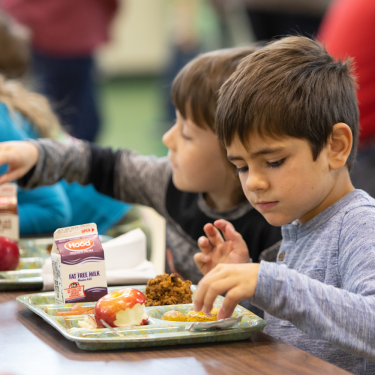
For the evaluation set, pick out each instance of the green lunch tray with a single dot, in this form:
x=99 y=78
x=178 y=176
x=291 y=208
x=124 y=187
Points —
x=28 y=275
x=156 y=333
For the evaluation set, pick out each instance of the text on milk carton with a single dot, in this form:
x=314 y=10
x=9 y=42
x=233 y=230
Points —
x=78 y=260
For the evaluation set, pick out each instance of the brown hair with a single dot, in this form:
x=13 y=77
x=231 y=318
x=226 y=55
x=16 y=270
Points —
x=15 y=51
x=14 y=61
x=32 y=106
x=195 y=88
x=292 y=87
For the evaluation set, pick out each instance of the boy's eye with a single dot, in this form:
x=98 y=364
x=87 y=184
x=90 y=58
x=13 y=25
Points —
x=185 y=136
x=241 y=170
x=275 y=164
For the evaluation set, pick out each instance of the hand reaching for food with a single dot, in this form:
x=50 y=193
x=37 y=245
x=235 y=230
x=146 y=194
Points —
x=216 y=250
x=238 y=281
x=20 y=158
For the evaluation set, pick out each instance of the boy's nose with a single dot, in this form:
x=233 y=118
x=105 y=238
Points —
x=168 y=137
x=255 y=182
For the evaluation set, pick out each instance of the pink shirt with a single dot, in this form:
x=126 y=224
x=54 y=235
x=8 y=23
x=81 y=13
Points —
x=64 y=27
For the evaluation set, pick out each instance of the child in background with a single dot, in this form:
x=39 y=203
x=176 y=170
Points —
x=44 y=209
x=289 y=119
x=196 y=184
x=24 y=115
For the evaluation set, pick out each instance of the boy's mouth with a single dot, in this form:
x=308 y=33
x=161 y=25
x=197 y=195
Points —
x=264 y=205
x=174 y=165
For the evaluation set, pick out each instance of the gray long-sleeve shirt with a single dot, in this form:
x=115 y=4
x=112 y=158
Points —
x=320 y=296
x=147 y=180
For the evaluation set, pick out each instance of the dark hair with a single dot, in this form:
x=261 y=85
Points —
x=195 y=88
x=291 y=87
x=15 y=50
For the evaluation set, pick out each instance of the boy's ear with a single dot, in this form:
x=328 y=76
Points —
x=339 y=144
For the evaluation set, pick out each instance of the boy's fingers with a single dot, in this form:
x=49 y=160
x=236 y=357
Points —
x=213 y=234
x=203 y=285
x=4 y=179
x=10 y=176
x=224 y=249
x=221 y=223
x=201 y=260
x=230 y=234
x=216 y=288
x=204 y=245
x=231 y=300
x=228 y=230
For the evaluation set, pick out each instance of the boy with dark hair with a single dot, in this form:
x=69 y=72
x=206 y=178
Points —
x=196 y=185
x=288 y=117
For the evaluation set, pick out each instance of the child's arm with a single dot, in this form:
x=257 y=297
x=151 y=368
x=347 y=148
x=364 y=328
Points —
x=40 y=210
x=20 y=157
x=238 y=280
x=123 y=175
x=216 y=249
x=322 y=311
x=345 y=317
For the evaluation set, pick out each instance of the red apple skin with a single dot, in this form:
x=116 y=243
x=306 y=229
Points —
x=9 y=254
x=109 y=305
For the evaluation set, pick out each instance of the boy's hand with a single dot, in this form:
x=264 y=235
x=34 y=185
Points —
x=216 y=250
x=20 y=157
x=238 y=280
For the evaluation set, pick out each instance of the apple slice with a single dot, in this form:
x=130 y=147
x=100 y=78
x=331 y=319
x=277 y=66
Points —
x=88 y=322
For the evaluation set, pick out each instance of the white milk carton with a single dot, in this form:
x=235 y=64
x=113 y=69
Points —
x=78 y=264
x=9 y=222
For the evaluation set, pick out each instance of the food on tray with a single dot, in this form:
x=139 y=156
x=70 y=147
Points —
x=76 y=310
x=88 y=322
x=174 y=315
x=155 y=334
x=9 y=254
x=121 y=308
x=168 y=290
x=191 y=316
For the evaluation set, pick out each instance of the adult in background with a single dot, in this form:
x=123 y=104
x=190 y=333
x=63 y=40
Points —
x=65 y=34
x=277 y=18
x=347 y=31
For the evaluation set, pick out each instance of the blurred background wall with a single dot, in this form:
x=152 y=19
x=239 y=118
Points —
x=150 y=41
x=139 y=40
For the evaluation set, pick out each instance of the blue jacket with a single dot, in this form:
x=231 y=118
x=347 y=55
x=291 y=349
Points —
x=43 y=209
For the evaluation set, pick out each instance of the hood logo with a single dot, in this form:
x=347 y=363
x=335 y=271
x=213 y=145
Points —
x=79 y=245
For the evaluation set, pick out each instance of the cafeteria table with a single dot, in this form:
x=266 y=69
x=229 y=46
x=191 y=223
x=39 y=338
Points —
x=29 y=345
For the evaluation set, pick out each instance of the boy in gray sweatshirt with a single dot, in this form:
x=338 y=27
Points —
x=288 y=117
